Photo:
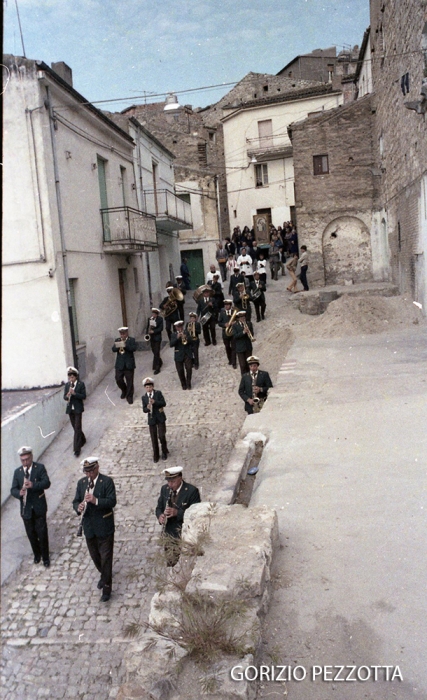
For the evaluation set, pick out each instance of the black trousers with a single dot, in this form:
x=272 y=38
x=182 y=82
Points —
x=101 y=551
x=185 y=370
x=230 y=349
x=79 y=436
x=260 y=309
x=158 y=432
x=157 y=360
x=241 y=356
x=124 y=380
x=303 y=277
x=209 y=331
x=36 y=529
x=195 y=348
x=169 y=326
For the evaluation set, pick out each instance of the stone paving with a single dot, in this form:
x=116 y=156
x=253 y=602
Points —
x=59 y=640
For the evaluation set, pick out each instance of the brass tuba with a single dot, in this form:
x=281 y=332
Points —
x=171 y=305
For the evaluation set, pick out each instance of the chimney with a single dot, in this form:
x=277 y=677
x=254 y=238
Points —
x=63 y=71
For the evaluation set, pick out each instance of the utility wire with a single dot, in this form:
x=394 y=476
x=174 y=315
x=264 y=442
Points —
x=20 y=28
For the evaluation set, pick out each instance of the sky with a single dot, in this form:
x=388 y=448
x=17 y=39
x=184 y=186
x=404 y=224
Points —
x=123 y=49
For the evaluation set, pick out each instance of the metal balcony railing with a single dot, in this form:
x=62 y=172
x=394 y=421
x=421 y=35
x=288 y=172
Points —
x=128 y=229
x=165 y=203
x=273 y=144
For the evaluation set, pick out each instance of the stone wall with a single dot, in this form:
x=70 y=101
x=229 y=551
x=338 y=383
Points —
x=334 y=209
x=400 y=134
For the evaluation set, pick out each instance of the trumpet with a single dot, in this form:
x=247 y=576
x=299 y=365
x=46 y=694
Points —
x=121 y=345
x=70 y=392
x=248 y=333
x=184 y=339
x=24 y=497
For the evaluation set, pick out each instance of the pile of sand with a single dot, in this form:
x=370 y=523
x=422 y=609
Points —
x=350 y=315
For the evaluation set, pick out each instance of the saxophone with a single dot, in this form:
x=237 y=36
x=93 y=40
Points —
x=258 y=403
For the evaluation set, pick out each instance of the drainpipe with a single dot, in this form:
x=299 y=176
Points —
x=61 y=225
x=218 y=210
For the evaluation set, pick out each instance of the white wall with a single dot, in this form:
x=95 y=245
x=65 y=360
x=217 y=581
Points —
x=240 y=136
x=364 y=84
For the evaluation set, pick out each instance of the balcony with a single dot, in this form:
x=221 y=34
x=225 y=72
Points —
x=171 y=212
x=271 y=147
x=127 y=230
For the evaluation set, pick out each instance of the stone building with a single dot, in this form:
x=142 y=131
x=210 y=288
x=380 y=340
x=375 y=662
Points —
x=334 y=191
x=399 y=74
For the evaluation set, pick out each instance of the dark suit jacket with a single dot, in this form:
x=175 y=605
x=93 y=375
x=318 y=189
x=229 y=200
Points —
x=233 y=281
x=203 y=307
x=36 y=500
x=243 y=343
x=181 y=351
x=98 y=521
x=254 y=288
x=263 y=381
x=157 y=415
x=75 y=405
x=187 y=496
x=125 y=360
x=156 y=335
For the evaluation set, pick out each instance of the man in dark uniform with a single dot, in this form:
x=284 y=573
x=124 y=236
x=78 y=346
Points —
x=254 y=386
x=94 y=501
x=242 y=330
x=234 y=279
x=74 y=395
x=153 y=403
x=207 y=305
x=171 y=316
x=194 y=330
x=176 y=496
x=242 y=300
x=30 y=481
x=181 y=286
x=125 y=363
x=185 y=272
x=258 y=297
x=183 y=355
x=229 y=341
x=154 y=330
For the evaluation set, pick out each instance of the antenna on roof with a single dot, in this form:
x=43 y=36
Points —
x=20 y=28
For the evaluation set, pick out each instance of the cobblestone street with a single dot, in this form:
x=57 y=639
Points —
x=59 y=640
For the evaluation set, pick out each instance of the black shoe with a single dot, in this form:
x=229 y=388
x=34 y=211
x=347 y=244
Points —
x=188 y=386
x=156 y=371
x=214 y=342
x=164 y=457
x=234 y=366
x=130 y=401
x=155 y=460
x=77 y=453
x=37 y=560
x=106 y=594
x=100 y=584
x=196 y=366
x=123 y=395
x=46 y=563
x=184 y=388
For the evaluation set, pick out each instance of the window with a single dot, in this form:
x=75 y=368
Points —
x=123 y=183
x=73 y=283
x=212 y=136
x=320 y=165
x=102 y=180
x=265 y=133
x=261 y=175
x=184 y=196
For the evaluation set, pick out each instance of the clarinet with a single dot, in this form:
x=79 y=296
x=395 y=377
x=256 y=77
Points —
x=24 y=497
x=168 y=505
x=80 y=528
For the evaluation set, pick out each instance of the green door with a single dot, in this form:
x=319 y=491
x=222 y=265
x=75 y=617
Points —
x=195 y=265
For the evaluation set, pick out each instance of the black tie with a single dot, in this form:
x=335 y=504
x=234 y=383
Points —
x=27 y=473
x=173 y=498
x=91 y=484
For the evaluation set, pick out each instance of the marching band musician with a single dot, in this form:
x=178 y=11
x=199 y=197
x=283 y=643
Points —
x=173 y=315
x=229 y=341
x=242 y=300
x=176 y=496
x=243 y=332
x=181 y=286
x=74 y=395
x=207 y=305
x=153 y=404
x=234 y=279
x=254 y=385
x=125 y=363
x=258 y=300
x=30 y=481
x=183 y=355
x=154 y=330
x=94 y=501
x=194 y=328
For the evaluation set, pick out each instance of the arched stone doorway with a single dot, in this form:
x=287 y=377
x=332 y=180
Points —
x=346 y=245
